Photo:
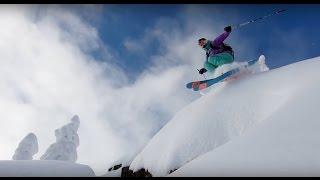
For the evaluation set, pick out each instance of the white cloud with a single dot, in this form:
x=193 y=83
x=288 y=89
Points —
x=133 y=46
x=47 y=75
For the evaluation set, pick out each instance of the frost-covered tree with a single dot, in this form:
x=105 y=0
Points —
x=67 y=141
x=26 y=148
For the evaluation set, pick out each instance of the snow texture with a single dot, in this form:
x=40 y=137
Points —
x=286 y=142
x=210 y=121
x=26 y=148
x=42 y=168
x=278 y=107
x=67 y=141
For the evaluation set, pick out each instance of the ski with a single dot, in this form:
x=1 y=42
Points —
x=199 y=85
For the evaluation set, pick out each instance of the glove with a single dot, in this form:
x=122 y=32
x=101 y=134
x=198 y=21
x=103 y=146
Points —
x=203 y=70
x=227 y=29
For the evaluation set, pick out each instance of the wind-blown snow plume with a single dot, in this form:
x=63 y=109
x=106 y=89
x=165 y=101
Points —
x=27 y=148
x=208 y=122
x=48 y=72
x=67 y=141
x=285 y=142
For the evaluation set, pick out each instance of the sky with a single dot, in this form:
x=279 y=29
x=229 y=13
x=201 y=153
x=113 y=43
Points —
x=267 y=36
x=123 y=68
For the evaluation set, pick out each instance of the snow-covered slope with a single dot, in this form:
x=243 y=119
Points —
x=38 y=168
x=280 y=105
x=285 y=144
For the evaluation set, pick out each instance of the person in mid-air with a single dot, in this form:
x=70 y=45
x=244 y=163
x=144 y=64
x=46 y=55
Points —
x=218 y=53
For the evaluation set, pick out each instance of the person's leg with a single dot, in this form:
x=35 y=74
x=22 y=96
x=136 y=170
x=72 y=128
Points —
x=209 y=66
x=220 y=59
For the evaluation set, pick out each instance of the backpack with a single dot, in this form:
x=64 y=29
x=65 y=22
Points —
x=224 y=48
x=227 y=48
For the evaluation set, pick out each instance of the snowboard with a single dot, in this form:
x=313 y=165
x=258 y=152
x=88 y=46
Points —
x=199 y=85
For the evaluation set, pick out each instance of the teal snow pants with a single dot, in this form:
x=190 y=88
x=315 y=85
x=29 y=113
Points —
x=217 y=60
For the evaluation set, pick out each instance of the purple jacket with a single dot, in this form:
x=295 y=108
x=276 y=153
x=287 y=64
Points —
x=216 y=43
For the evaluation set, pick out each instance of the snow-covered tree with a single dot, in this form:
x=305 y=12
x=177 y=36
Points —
x=67 y=141
x=26 y=148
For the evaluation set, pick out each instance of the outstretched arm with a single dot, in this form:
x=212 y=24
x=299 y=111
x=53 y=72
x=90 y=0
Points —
x=219 y=40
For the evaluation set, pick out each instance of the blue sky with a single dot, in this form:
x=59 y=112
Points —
x=123 y=68
x=270 y=37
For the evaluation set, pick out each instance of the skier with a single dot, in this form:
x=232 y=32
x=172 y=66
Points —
x=217 y=52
